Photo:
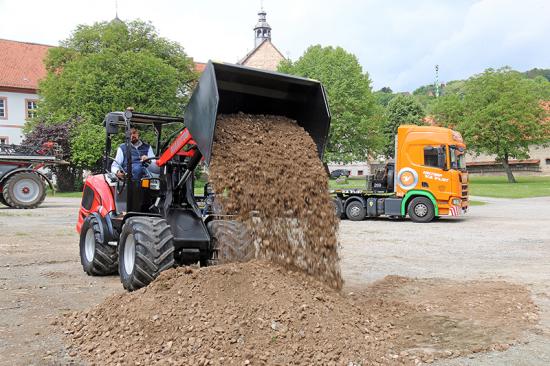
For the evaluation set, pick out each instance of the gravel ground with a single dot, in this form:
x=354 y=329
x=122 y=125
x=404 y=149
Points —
x=41 y=277
x=505 y=240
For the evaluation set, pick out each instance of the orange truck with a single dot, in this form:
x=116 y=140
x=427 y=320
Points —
x=427 y=180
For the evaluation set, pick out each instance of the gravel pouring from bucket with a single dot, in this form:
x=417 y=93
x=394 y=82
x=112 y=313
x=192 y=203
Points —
x=229 y=89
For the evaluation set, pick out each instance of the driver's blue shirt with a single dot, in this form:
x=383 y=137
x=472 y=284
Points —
x=138 y=149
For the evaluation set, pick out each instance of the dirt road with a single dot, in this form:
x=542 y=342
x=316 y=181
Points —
x=40 y=274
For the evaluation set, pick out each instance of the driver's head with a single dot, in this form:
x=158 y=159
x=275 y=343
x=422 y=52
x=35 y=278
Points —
x=134 y=135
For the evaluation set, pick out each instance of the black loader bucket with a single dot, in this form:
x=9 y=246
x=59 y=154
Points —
x=228 y=89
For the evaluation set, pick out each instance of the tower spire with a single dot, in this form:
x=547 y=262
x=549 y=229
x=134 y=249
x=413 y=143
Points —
x=262 y=30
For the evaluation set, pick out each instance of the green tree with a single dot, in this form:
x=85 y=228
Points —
x=109 y=66
x=499 y=113
x=384 y=95
x=401 y=110
x=355 y=113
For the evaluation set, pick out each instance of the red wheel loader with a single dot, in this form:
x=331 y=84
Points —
x=141 y=227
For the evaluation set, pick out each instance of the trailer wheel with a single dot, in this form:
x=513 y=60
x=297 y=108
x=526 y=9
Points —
x=421 y=209
x=355 y=211
x=145 y=249
x=24 y=190
x=231 y=242
x=97 y=258
x=2 y=200
x=338 y=208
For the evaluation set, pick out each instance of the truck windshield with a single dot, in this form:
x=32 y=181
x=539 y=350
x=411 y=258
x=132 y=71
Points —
x=458 y=160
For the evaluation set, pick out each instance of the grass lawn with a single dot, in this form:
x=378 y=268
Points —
x=477 y=203
x=500 y=188
x=65 y=194
x=351 y=183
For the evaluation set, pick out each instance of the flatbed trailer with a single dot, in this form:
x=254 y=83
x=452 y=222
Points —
x=22 y=183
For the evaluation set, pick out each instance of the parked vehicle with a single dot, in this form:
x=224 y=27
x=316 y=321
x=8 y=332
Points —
x=340 y=172
x=428 y=179
x=22 y=184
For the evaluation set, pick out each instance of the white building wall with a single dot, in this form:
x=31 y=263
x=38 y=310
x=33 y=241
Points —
x=12 y=127
x=539 y=152
x=357 y=169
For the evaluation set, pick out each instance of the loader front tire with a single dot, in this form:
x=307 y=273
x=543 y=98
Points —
x=146 y=248
x=24 y=190
x=97 y=258
x=231 y=242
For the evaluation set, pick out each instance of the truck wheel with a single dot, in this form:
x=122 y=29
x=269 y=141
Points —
x=338 y=208
x=97 y=258
x=24 y=190
x=145 y=249
x=231 y=242
x=355 y=211
x=421 y=209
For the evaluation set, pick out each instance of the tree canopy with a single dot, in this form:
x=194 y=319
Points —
x=355 y=113
x=499 y=114
x=401 y=110
x=109 y=66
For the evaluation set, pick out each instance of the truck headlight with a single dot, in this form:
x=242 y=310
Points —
x=456 y=201
x=154 y=184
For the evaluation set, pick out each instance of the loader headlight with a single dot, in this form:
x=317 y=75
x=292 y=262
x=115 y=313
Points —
x=154 y=184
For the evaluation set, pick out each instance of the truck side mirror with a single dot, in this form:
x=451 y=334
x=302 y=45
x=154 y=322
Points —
x=442 y=158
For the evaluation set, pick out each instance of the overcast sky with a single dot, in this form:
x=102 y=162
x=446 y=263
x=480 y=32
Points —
x=397 y=42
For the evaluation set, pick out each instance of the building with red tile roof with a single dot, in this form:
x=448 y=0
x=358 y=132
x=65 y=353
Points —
x=21 y=69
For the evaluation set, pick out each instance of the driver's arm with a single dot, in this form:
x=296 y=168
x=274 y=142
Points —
x=117 y=163
x=153 y=167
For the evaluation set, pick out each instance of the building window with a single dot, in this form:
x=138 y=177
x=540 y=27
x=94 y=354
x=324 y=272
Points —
x=359 y=172
x=4 y=140
x=547 y=161
x=3 y=107
x=30 y=107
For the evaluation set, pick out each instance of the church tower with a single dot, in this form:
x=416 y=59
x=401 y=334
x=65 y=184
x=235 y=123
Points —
x=264 y=55
x=262 y=30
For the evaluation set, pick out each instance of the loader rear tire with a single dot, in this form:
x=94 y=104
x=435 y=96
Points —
x=231 y=242
x=146 y=248
x=24 y=190
x=97 y=258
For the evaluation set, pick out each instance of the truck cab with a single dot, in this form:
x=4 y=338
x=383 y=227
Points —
x=428 y=179
x=430 y=162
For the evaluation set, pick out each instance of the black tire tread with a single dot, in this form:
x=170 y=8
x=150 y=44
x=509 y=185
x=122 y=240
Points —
x=2 y=200
x=154 y=250
x=356 y=218
x=431 y=210
x=105 y=257
x=10 y=201
x=231 y=242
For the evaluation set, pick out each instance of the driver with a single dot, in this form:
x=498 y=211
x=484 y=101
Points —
x=140 y=152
